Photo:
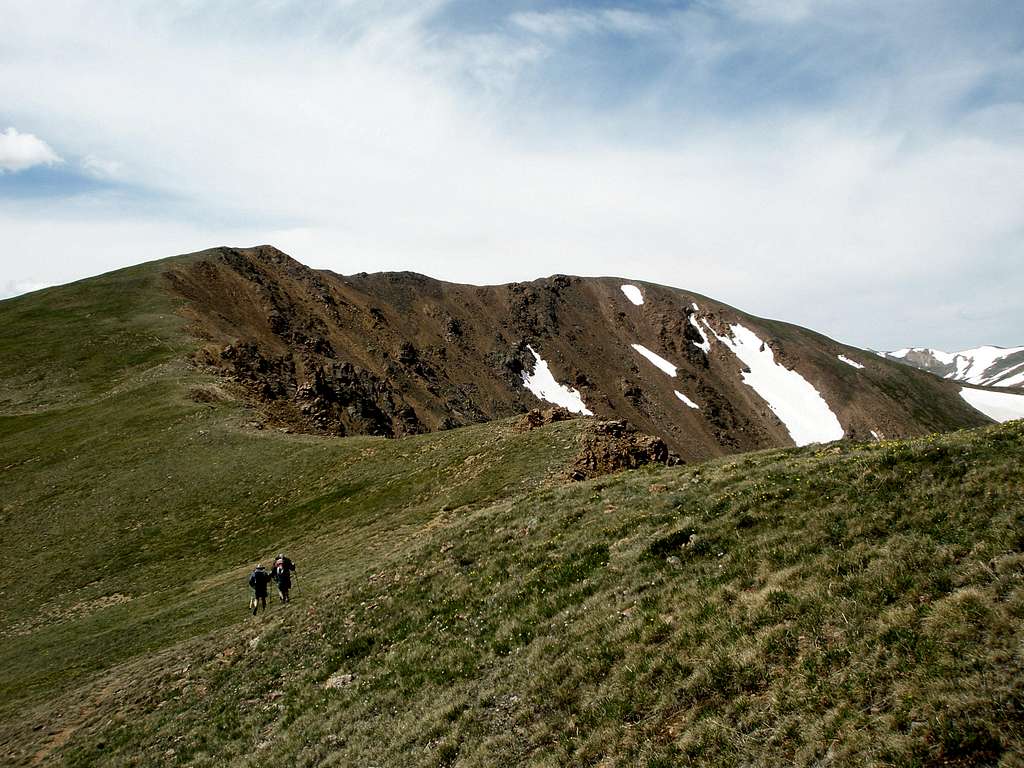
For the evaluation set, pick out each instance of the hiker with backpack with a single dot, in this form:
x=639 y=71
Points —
x=258 y=580
x=282 y=574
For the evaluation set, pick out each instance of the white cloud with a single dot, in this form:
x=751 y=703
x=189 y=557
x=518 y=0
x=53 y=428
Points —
x=359 y=147
x=101 y=168
x=562 y=24
x=71 y=239
x=20 y=151
x=784 y=11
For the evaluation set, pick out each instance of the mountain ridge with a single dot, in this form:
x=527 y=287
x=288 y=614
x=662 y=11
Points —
x=987 y=365
x=401 y=353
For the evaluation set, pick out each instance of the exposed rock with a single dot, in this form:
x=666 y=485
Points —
x=339 y=680
x=614 y=445
x=452 y=329
x=341 y=394
x=539 y=417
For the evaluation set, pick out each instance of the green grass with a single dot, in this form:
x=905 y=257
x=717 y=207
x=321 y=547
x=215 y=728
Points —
x=81 y=340
x=839 y=605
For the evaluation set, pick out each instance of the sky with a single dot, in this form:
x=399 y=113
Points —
x=852 y=166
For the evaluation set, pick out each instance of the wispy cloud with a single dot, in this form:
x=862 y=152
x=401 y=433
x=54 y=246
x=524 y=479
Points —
x=101 y=168
x=853 y=167
x=565 y=23
x=20 y=151
x=782 y=11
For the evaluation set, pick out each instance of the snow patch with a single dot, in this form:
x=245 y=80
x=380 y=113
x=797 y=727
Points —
x=543 y=385
x=705 y=344
x=799 y=406
x=998 y=406
x=848 y=361
x=633 y=294
x=659 y=361
x=686 y=400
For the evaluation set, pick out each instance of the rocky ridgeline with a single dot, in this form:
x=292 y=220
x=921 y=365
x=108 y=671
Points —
x=396 y=354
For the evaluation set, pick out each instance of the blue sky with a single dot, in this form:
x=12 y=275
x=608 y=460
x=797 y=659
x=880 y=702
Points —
x=854 y=167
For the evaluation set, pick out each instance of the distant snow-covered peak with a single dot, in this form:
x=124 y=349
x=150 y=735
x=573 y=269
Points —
x=986 y=365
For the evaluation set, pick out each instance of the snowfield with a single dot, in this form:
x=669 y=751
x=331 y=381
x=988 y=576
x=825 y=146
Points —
x=799 y=406
x=848 y=361
x=686 y=400
x=633 y=294
x=658 y=360
x=543 y=385
x=999 y=406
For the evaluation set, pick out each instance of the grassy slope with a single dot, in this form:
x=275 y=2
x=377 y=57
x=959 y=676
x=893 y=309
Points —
x=135 y=512
x=846 y=605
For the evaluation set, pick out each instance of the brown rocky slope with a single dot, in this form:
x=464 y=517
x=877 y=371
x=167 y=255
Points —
x=400 y=353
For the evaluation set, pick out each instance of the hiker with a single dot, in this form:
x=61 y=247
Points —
x=282 y=574
x=258 y=580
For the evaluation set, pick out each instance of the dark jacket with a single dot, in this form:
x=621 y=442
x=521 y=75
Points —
x=283 y=568
x=258 y=580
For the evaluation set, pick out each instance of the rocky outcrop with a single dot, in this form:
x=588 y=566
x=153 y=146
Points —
x=614 y=445
x=342 y=398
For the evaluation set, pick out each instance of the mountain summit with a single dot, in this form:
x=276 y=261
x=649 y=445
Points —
x=985 y=366
x=399 y=353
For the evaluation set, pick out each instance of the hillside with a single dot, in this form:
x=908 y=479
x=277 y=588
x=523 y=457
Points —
x=459 y=600
x=985 y=366
x=400 y=353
